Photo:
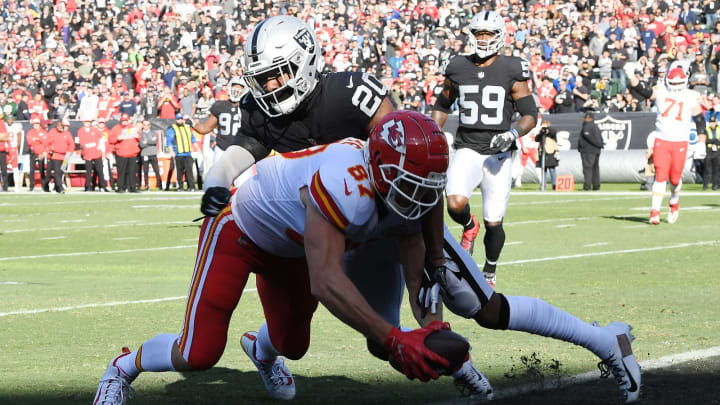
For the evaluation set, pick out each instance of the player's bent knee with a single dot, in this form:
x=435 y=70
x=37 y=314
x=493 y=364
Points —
x=292 y=345
x=495 y=314
x=377 y=350
x=456 y=203
x=203 y=362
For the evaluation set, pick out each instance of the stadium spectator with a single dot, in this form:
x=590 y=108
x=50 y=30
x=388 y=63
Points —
x=148 y=153
x=125 y=140
x=712 y=158
x=59 y=145
x=181 y=142
x=589 y=145
x=36 y=138
x=4 y=149
x=16 y=142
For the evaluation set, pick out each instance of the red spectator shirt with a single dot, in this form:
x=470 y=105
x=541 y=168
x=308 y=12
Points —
x=38 y=109
x=59 y=143
x=167 y=110
x=105 y=107
x=4 y=145
x=36 y=139
x=126 y=148
x=551 y=70
x=546 y=94
x=89 y=140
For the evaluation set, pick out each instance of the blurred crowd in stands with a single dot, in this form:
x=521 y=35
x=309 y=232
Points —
x=156 y=58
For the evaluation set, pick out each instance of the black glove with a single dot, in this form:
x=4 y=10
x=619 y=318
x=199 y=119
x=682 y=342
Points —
x=214 y=200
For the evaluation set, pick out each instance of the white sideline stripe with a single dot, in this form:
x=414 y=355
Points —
x=106 y=252
x=115 y=225
x=104 y=304
x=612 y=252
x=11 y=283
x=126 y=238
x=154 y=206
x=71 y=201
x=695 y=208
x=596 y=244
x=514 y=243
x=592 y=195
x=53 y=238
x=654 y=364
x=581 y=200
x=565 y=226
x=68 y=221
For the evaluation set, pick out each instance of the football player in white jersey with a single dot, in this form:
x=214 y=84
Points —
x=289 y=104
x=677 y=107
x=289 y=225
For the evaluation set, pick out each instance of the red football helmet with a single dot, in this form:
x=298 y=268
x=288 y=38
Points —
x=676 y=79
x=407 y=157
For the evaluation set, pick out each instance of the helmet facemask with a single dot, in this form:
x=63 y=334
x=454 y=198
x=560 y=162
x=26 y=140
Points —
x=489 y=47
x=411 y=196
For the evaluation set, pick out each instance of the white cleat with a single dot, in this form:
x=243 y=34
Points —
x=472 y=383
x=278 y=380
x=673 y=213
x=622 y=363
x=654 y=217
x=114 y=388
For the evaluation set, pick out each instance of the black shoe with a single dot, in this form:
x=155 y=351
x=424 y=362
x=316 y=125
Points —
x=105 y=189
x=180 y=189
x=134 y=191
x=716 y=188
x=192 y=190
x=119 y=191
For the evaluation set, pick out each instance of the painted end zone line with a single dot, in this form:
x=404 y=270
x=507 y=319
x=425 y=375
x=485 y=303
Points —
x=4 y=259
x=662 y=362
x=612 y=252
x=106 y=304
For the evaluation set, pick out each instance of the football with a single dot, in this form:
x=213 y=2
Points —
x=448 y=345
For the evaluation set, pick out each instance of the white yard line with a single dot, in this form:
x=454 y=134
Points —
x=115 y=225
x=513 y=243
x=99 y=305
x=565 y=226
x=126 y=238
x=106 y=252
x=596 y=244
x=53 y=238
x=11 y=283
x=612 y=252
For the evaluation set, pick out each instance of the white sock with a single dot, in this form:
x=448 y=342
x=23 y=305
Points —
x=536 y=316
x=658 y=192
x=153 y=355
x=675 y=193
x=264 y=349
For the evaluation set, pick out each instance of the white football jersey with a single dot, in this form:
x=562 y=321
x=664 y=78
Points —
x=674 y=117
x=267 y=208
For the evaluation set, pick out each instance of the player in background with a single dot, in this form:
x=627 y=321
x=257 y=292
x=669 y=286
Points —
x=289 y=225
x=290 y=106
x=488 y=87
x=224 y=117
x=677 y=106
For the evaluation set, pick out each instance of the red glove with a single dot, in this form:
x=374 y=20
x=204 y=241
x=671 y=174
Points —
x=408 y=349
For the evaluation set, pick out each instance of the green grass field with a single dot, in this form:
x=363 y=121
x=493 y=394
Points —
x=82 y=275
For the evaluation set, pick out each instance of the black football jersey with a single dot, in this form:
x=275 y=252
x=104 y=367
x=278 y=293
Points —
x=484 y=98
x=228 y=117
x=342 y=105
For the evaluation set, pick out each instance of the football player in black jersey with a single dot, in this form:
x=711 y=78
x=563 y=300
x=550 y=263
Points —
x=488 y=87
x=225 y=117
x=289 y=107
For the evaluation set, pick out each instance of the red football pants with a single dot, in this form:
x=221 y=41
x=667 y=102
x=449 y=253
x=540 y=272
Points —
x=225 y=259
x=669 y=160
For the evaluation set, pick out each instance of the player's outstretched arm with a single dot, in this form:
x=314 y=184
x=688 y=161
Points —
x=207 y=125
x=412 y=251
x=444 y=103
x=232 y=163
x=325 y=250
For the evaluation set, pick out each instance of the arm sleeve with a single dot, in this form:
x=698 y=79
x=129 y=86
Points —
x=252 y=146
x=232 y=164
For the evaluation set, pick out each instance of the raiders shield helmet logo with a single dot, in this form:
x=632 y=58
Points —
x=304 y=39
x=616 y=133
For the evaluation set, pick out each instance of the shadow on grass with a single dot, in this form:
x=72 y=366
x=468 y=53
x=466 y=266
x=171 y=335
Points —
x=692 y=382
x=628 y=218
